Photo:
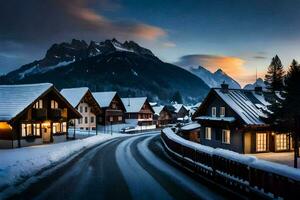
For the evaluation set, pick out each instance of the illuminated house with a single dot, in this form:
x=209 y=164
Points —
x=82 y=99
x=162 y=116
x=138 y=111
x=33 y=114
x=112 y=108
x=234 y=119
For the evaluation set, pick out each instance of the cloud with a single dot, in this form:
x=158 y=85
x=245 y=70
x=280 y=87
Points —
x=38 y=21
x=169 y=44
x=260 y=57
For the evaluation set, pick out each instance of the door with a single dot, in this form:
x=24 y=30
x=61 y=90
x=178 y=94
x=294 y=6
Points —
x=46 y=133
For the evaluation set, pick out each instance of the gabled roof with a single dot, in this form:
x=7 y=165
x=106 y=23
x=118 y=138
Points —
x=15 y=98
x=249 y=105
x=134 y=105
x=178 y=107
x=157 y=109
x=104 y=98
x=74 y=95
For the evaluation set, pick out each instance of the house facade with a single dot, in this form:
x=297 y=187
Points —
x=82 y=99
x=112 y=108
x=138 y=111
x=33 y=114
x=234 y=119
x=162 y=116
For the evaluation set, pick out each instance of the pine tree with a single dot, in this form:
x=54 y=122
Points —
x=286 y=114
x=275 y=75
x=177 y=97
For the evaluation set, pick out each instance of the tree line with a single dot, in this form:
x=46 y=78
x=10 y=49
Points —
x=285 y=110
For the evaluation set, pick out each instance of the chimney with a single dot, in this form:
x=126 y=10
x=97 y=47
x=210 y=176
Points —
x=258 y=89
x=224 y=87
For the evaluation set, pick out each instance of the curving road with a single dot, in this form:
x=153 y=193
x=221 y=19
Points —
x=123 y=168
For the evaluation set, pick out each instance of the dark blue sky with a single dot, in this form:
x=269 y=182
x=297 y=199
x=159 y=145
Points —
x=238 y=36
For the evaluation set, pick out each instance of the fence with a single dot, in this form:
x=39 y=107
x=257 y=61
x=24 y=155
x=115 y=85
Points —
x=240 y=173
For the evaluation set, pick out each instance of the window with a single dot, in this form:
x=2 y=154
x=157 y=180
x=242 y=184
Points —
x=54 y=104
x=208 y=133
x=38 y=104
x=26 y=130
x=80 y=109
x=261 y=142
x=23 y=130
x=281 y=142
x=226 y=136
x=64 y=127
x=222 y=112
x=113 y=105
x=86 y=109
x=92 y=119
x=56 y=128
x=213 y=111
x=36 y=129
x=86 y=120
x=111 y=119
x=120 y=118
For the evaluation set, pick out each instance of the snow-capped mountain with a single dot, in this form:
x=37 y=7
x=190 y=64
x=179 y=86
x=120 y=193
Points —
x=259 y=82
x=110 y=65
x=215 y=79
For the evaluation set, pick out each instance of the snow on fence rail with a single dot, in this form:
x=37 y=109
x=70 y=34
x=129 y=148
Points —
x=240 y=172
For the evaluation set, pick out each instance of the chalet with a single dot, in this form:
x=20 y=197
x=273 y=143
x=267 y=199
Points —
x=112 y=108
x=138 y=111
x=181 y=113
x=162 y=116
x=33 y=114
x=82 y=99
x=234 y=119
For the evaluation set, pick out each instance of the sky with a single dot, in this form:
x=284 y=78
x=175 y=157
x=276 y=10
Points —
x=236 y=36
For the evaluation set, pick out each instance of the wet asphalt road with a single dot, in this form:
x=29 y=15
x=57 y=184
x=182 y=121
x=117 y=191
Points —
x=123 y=168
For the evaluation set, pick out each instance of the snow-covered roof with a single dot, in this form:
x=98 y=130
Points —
x=190 y=127
x=226 y=119
x=74 y=95
x=15 y=98
x=134 y=105
x=178 y=107
x=104 y=98
x=243 y=102
x=157 y=109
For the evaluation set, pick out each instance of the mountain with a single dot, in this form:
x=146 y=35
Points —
x=110 y=65
x=258 y=82
x=215 y=79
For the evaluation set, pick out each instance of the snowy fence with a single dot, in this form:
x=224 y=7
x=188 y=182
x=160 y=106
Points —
x=241 y=173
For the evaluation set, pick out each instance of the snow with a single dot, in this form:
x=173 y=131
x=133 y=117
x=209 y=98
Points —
x=18 y=165
x=74 y=95
x=227 y=119
x=134 y=72
x=157 y=109
x=104 y=98
x=134 y=105
x=119 y=47
x=278 y=94
x=261 y=98
x=242 y=105
x=15 y=98
x=37 y=69
x=230 y=155
x=177 y=107
x=191 y=126
x=277 y=168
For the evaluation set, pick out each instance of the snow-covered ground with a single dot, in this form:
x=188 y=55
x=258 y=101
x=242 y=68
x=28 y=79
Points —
x=17 y=165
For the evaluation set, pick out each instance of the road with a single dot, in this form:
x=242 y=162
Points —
x=123 y=168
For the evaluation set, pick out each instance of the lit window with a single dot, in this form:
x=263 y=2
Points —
x=23 y=130
x=64 y=127
x=114 y=106
x=54 y=104
x=120 y=118
x=213 y=111
x=208 y=133
x=56 y=128
x=261 y=142
x=222 y=112
x=111 y=119
x=281 y=142
x=226 y=136
x=36 y=129
x=38 y=104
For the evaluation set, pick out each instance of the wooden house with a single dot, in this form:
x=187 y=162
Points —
x=181 y=113
x=33 y=114
x=138 y=111
x=162 y=116
x=234 y=119
x=112 y=108
x=82 y=99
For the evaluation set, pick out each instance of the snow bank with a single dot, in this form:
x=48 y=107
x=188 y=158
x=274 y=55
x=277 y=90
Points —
x=230 y=155
x=277 y=168
x=19 y=164
x=191 y=126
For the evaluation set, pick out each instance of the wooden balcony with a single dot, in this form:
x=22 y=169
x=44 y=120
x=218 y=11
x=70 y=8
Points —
x=55 y=114
x=39 y=113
